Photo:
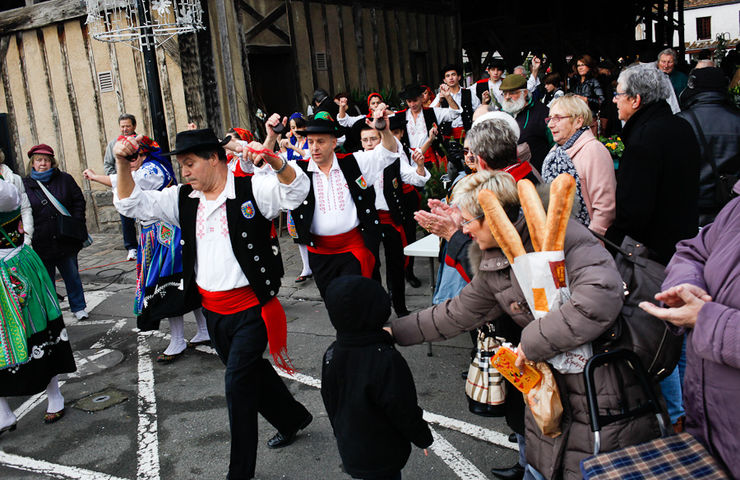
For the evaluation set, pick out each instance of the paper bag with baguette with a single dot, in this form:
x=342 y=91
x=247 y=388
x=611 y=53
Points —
x=541 y=274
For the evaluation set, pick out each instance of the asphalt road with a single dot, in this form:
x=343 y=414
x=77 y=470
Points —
x=172 y=421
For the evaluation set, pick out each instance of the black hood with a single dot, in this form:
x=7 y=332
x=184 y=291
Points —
x=357 y=304
x=689 y=98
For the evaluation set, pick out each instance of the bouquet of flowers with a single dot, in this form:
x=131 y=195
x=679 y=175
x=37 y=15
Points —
x=615 y=146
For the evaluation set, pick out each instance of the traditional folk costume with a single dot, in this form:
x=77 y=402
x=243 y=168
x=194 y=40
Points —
x=462 y=123
x=337 y=220
x=230 y=263
x=393 y=215
x=159 y=287
x=34 y=346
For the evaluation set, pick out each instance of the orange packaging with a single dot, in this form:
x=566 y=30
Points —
x=504 y=361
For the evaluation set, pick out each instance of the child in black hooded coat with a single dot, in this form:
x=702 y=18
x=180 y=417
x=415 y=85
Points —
x=367 y=387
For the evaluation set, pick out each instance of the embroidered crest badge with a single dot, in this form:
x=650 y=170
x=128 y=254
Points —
x=361 y=182
x=395 y=183
x=248 y=209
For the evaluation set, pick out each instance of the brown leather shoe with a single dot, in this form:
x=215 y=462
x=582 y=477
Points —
x=678 y=427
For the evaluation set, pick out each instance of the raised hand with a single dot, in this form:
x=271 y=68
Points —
x=126 y=147
x=274 y=125
x=486 y=97
x=683 y=316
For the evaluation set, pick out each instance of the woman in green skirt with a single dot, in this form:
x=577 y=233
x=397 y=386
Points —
x=34 y=347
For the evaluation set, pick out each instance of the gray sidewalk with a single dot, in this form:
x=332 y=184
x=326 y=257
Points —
x=104 y=262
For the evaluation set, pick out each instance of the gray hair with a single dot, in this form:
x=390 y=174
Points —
x=524 y=70
x=646 y=81
x=494 y=141
x=671 y=52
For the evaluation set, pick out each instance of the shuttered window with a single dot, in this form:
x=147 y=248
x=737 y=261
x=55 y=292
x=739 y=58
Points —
x=105 y=82
x=704 y=28
x=321 y=61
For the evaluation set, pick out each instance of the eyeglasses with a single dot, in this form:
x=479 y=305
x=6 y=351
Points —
x=466 y=151
x=472 y=220
x=556 y=118
x=370 y=139
x=617 y=94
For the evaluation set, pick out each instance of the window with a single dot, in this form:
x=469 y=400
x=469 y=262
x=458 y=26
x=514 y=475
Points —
x=105 y=81
x=321 y=61
x=704 y=28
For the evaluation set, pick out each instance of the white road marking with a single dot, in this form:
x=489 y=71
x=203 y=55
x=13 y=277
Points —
x=454 y=459
x=147 y=438
x=475 y=431
x=52 y=470
x=112 y=331
x=92 y=300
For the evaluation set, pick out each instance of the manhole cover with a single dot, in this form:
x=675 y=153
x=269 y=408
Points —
x=90 y=362
x=101 y=400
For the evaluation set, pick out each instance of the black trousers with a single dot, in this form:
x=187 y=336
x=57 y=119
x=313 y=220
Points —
x=411 y=203
x=252 y=386
x=326 y=268
x=394 y=267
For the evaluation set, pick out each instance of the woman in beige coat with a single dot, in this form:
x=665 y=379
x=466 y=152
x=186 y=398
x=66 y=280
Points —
x=597 y=297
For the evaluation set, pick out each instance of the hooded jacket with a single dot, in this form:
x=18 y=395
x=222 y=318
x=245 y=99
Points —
x=597 y=297
x=720 y=125
x=366 y=385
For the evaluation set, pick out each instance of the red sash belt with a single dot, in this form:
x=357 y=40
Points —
x=349 y=242
x=519 y=170
x=458 y=133
x=408 y=188
x=239 y=299
x=386 y=219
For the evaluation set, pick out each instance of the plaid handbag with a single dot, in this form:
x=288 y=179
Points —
x=668 y=457
x=485 y=386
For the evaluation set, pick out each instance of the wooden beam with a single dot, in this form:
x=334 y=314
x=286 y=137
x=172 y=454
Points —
x=259 y=17
x=403 y=58
x=164 y=80
x=357 y=21
x=26 y=92
x=225 y=47
x=13 y=125
x=340 y=20
x=214 y=117
x=96 y=95
x=52 y=102
x=30 y=18
x=311 y=46
x=294 y=52
x=327 y=47
x=266 y=22
x=143 y=93
x=376 y=48
x=389 y=50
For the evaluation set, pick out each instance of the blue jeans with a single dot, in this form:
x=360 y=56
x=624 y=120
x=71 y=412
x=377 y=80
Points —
x=128 y=226
x=672 y=388
x=70 y=273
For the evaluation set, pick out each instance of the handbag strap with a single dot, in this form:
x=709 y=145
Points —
x=57 y=204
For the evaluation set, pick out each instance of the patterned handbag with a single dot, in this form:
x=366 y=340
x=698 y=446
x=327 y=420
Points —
x=485 y=386
x=668 y=457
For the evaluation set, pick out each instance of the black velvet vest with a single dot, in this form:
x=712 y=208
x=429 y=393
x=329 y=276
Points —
x=467 y=108
x=429 y=120
x=393 y=191
x=364 y=198
x=249 y=232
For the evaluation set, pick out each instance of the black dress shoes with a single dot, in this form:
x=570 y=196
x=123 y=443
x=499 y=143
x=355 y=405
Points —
x=514 y=473
x=413 y=281
x=281 y=440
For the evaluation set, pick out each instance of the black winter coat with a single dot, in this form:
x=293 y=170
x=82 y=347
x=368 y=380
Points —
x=369 y=394
x=720 y=124
x=46 y=242
x=657 y=182
x=534 y=131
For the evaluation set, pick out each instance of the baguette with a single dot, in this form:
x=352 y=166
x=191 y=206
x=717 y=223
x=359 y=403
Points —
x=534 y=212
x=562 y=193
x=501 y=227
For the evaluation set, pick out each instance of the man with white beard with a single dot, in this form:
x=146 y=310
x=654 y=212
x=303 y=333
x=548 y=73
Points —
x=529 y=115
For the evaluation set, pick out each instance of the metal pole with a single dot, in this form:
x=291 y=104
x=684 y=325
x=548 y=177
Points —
x=156 y=107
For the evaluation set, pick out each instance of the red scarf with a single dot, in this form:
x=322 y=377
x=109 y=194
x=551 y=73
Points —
x=237 y=300
x=350 y=242
x=519 y=170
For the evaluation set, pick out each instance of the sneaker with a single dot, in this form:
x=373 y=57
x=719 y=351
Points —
x=131 y=254
x=82 y=315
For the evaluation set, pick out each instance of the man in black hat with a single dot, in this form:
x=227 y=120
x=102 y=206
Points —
x=488 y=90
x=529 y=115
x=706 y=106
x=337 y=219
x=230 y=263
x=464 y=98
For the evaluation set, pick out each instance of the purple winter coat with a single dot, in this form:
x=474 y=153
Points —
x=711 y=387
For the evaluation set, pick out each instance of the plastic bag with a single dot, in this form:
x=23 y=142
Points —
x=544 y=402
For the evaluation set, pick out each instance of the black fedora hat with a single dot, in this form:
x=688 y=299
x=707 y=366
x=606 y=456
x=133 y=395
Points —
x=322 y=122
x=412 y=91
x=195 y=140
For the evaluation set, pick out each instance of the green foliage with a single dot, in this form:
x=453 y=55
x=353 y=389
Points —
x=434 y=187
x=390 y=97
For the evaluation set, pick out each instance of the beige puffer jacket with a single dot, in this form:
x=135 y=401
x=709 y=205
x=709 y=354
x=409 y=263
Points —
x=597 y=297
